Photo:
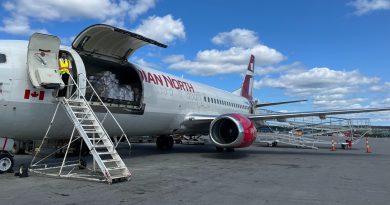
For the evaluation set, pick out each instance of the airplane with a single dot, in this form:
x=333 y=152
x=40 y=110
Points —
x=162 y=104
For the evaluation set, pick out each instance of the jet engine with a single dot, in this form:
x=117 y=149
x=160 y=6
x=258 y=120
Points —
x=232 y=131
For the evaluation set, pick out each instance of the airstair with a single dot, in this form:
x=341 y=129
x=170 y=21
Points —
x=91 y=130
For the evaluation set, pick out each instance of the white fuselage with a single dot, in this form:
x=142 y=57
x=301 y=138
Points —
x=166 y=105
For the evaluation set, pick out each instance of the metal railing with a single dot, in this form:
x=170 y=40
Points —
x=310 y=131
x=78 y=94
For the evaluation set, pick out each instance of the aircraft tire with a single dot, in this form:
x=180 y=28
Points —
x=229 y=149
x=169 y=142
x=274 y=144
x=23 y=171
x=160 y=143
x=219 y=149
x=6 y=163
x=164 y=142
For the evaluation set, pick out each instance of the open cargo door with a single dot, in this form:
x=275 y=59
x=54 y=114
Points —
x=42 y=60
x=109 y=43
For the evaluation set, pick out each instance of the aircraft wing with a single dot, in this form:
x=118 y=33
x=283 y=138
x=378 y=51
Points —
x=277 y=103
x=320 y=114
x=280 y=116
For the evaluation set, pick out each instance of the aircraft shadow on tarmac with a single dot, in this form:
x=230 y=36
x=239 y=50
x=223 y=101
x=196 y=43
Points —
x=208 y=151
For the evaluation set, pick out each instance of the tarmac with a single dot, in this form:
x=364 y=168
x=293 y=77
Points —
x=197 y=174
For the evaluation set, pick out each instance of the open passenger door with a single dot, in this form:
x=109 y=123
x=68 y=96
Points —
x=110 y=43
x=42 y=60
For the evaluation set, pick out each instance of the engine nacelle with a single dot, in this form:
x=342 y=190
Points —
x=232 y=131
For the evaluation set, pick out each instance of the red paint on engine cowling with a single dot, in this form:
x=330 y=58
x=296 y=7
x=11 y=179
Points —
x=250 y=131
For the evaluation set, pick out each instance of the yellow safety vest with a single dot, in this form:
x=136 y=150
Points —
x=64 y=66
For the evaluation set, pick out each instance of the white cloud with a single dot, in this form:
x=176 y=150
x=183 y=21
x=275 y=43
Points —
x=232 y=60
x=326 y=87
x=237 y=37
x=350 y=103
x=141 y=7
x=367 y=6
x=114 y=12
x=381 y=88
x=164 y=29
x=322 y=77
x=173 y=58
x=141 y=62
x=19 y=25
x=293 y=67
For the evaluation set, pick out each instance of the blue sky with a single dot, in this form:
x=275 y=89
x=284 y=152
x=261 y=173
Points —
x=334 y=53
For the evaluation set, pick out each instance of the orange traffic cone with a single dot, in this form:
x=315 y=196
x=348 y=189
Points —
x=368 y=148
x=333 y=145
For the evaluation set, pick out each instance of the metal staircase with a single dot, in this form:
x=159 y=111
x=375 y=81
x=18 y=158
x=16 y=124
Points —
x=92 y=132
x=96 y=138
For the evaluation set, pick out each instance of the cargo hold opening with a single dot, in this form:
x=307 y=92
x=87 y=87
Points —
x=118 y=85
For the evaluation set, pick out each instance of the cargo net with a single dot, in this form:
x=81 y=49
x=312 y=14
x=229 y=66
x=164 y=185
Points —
x=110 y=90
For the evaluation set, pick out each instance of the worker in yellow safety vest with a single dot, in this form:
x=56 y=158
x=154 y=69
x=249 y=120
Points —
x=65 y=66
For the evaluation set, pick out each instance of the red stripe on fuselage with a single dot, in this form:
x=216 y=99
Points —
x=41 y=95
x=26 y=94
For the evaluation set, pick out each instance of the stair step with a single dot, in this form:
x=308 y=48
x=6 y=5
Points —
x=78 y=107
x=105 y=153
x=96 y=140
x=84 y=125
x=102 y=146
x=76 y=100
x=96 y=137
x=89 y=123
x=86 y=119
x=76 y=103
x=83 y=121
x=119 y=178
x=115 y=168
x=110 y=160
x=93 y=131
x=85 y=113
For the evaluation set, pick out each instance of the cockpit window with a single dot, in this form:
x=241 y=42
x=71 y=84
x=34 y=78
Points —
x=3 y=58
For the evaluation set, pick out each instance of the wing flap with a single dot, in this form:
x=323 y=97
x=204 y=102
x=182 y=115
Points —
x=320 y=114
x=278 y=103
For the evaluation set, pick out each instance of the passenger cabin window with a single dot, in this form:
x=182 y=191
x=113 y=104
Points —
x=3 y=58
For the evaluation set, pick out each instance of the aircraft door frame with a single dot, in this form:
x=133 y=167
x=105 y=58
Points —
x=6 y=75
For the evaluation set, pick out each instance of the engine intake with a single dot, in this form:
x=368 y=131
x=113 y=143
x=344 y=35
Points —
x=232 y=131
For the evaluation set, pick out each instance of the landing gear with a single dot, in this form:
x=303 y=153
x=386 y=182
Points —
x=23 y=171
x=220 y=149
x=229 y=149
x=164 y=142
x=274 y=144
x=6 y=162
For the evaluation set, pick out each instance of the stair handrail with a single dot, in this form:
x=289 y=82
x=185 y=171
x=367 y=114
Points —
x=100 y=100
